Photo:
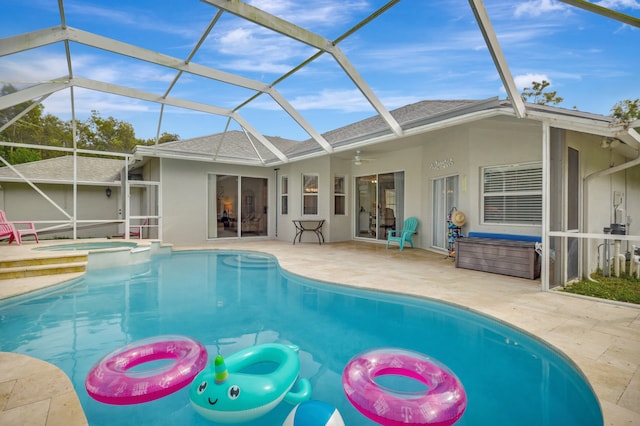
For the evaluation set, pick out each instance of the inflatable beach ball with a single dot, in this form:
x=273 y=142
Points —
x=314 y=413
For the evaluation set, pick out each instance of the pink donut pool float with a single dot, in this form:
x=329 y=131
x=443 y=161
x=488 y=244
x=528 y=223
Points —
x=441 y=404
x=111 y=381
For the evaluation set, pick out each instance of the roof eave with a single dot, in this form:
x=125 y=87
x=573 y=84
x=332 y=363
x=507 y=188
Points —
x=493 y=107
x=176 y=155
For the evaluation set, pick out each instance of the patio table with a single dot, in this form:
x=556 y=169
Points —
x=311 y=225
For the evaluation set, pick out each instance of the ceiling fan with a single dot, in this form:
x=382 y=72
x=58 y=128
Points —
x=358 y=159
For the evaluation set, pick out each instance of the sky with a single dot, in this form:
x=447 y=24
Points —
x=416 y=50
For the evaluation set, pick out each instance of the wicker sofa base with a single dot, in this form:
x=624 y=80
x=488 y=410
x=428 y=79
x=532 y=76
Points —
x=498 y=256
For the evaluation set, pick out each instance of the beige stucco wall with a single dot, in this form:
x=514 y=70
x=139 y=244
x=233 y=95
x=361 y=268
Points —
x=462 y=150
x=184 y=197
x=470 y=147
x=22 y=203
x=294 y=171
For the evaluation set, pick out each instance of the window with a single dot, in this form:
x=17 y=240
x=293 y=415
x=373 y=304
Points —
x=339 y=196
x=512 y=194
x=284 y=188
x=445 y=198
x=309 y=194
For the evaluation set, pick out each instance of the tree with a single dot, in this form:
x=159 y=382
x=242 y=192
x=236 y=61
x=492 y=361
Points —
x=626 y=112
x=56 y=132
x=168 y=137
x=538 y=94
x=164 y=137
x=106 y=134
x=28 y=128
x=23 y=155
x=36 y=128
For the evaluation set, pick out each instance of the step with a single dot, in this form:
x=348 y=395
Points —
x=26 y=271
x=43 y=260
x=43 y=265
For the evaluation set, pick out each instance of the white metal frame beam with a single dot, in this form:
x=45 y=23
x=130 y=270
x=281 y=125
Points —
x=177 y=102
x=32 y=92
x=477 y=6
x=178 y=75
x=66 y=34
x=601 y=10
x=266 y=20
x=48 y=36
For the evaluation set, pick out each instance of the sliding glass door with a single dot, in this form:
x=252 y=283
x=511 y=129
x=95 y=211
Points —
x=445 y=198
x=380 y=204
x=237 y=206
x=254 y=207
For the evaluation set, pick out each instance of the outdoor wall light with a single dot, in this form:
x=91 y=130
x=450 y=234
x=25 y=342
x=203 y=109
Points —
x=108 y=192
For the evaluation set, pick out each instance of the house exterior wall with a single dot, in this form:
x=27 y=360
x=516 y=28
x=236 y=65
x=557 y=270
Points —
x=184 y=197
x=342 y=225
x=333 y=229
x=407 y=158
x=22 y=203
x=470 y=148
x=461 y=150
x=464 y=151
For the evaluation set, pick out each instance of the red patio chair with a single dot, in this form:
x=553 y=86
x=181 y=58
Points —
x=14 y=231
x=136 y=230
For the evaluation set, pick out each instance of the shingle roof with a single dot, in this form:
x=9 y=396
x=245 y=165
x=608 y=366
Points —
x=240 y=146
x=90 y=169
x=233 y=144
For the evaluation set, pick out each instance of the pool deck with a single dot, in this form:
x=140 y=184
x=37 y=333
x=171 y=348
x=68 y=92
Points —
x=602 y=338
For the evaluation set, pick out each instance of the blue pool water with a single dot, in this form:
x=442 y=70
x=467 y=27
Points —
x=232 y=300
x=96 y=245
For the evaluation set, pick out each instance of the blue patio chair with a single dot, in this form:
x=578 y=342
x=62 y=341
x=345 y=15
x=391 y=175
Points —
x=403 y=235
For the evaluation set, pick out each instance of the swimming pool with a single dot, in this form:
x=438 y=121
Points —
x=94 y=245
x=232 y=300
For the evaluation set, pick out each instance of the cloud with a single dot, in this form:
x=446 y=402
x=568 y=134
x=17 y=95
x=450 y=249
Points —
x=29 y=68
x=619 y=4
x=85 y=101
x=525 y=80
x=39 y=65
x=318 y=13
x=330 y=99
x=333 y=99
x=236 y=46
x=136 y=18
x=237 y=38
x=349 y=101
x=246 y=41
x=251 y=65
x=538 y=8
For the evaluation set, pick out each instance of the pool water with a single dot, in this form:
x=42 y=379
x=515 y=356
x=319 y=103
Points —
x=96 y=245
x=510 y=377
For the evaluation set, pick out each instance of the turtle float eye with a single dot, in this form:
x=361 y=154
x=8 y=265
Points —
x=202 y=387
x=234 y=392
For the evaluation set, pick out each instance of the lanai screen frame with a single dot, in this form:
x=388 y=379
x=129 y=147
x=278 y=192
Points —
x=66 y=34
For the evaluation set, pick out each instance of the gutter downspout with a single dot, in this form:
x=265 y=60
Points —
x=276 y=170
x=546 y=205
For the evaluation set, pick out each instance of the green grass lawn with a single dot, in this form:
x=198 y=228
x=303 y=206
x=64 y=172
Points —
x=623 y=289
